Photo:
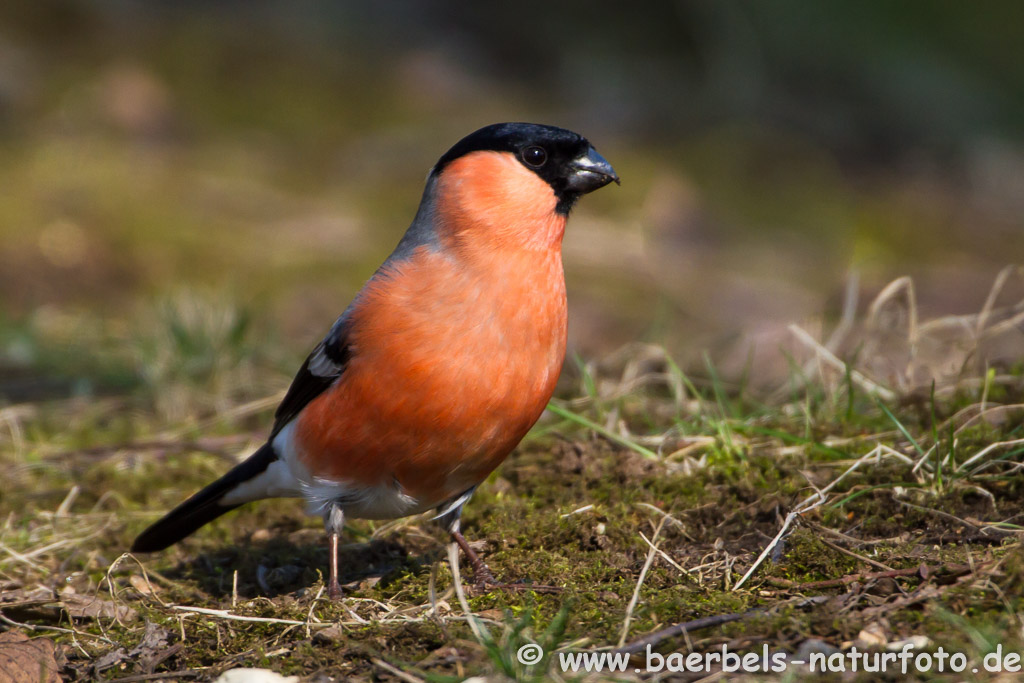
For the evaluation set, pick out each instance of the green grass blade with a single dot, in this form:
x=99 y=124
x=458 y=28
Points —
x=608 y=434
x=899 y=425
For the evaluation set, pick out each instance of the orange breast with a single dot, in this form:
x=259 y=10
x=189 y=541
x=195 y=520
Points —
x=453 y=360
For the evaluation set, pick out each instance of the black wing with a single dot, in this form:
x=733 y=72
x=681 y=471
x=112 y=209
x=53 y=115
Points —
x=321 y=369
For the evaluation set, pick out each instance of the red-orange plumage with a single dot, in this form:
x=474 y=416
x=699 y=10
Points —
x=455 y=352
x=443 y=362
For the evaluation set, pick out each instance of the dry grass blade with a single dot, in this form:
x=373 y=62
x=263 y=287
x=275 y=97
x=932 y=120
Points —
x=890 y=292
x=808 y=504
x=856 y=556
x=993 y=296
x=477 y=628
x=225 y=614
x=985 y=451
x=727 y=457
x=856 y=376
x=640 y=581
x=664 y=555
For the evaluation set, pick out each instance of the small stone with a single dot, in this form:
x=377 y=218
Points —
x=872 y=635
x=260 y=536
x=254 y=676
x=329 y=635
x=914 y=642
x=813 y=646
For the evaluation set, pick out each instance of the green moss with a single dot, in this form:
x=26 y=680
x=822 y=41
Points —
x=566 y=511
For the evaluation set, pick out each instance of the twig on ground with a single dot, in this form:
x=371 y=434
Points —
x=683 y=628
x=922 y=571
x=395 y=671
x=856 y=556
x=968 y=539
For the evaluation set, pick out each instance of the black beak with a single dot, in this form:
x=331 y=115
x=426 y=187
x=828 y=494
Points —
x=590 y=172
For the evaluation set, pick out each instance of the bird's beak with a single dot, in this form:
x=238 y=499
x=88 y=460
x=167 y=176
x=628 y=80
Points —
x=590 y=172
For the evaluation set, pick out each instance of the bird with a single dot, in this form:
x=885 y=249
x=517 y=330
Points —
x=443 y=360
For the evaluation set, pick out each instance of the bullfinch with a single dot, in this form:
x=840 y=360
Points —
x=444 y=359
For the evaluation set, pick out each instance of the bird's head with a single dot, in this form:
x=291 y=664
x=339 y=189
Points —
x=513 y=184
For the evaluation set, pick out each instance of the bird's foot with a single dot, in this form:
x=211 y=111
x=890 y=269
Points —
x=486 y=586
x=334 y=590
x=483 y=578
x=484 y=582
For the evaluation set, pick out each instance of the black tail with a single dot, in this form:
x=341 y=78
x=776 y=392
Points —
x=203 y=507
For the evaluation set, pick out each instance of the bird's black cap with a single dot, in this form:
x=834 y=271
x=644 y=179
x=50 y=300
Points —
x=564 y=159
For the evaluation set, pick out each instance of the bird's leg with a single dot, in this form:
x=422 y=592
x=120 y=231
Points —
x=483 y=579
x=482 y=575
x=333 y=587
x=334 y=520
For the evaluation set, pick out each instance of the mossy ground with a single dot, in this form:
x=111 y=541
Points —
x=248 y=168
x=704 y=473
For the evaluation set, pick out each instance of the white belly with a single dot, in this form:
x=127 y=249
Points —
x=289 y=478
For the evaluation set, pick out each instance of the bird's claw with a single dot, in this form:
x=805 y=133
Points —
x=484 y=582
x=483 y=579
x=483 y=587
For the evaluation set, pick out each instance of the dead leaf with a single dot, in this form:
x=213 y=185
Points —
x=152 y=649
x=110 y=659
x=25 y=660
x=142 y=585
x=21 y=596
x=37 y=603
x=155 y=638
x=86 y=607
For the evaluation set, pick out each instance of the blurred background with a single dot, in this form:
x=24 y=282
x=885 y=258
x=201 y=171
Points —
x=182 y=182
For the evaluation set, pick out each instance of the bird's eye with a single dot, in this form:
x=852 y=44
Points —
x=535 y=156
